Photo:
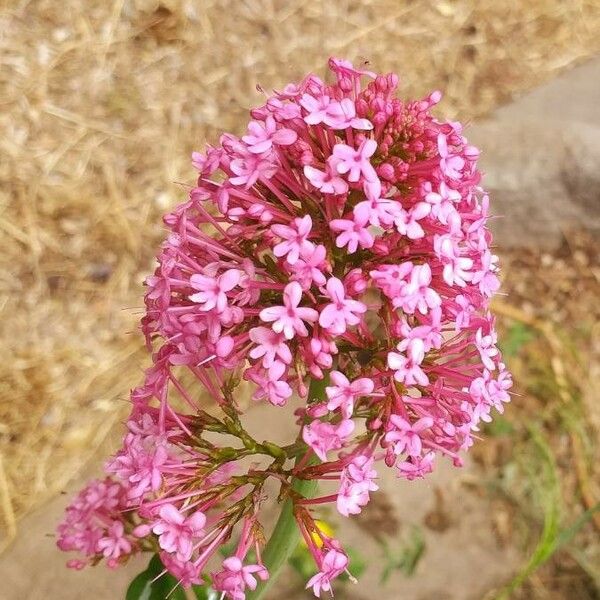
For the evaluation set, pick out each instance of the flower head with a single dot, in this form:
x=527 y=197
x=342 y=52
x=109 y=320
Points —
x=337 y=252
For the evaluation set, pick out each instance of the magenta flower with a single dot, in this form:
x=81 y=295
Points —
x=262 y=135
x=336 y=259
x=290 y=317
x=234 y=578
x=355 y=162
x=353 y=233
x=214 y=290
x=343 y=394
x=333 y=564
x=342 y=312
x=294 y=239
x=176 y=532
x=323 y=437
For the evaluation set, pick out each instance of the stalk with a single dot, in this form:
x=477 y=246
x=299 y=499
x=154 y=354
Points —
x=286 y=536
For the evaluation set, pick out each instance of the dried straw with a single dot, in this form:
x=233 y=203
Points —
x=101 y=105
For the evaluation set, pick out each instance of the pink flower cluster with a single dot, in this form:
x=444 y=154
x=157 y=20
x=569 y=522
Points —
x=342 y=241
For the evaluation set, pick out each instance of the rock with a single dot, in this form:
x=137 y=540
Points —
x=541 y=159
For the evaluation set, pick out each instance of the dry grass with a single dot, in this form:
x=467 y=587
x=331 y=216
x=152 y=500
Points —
x=102 y=103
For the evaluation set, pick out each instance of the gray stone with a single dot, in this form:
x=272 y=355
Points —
x=541 y=161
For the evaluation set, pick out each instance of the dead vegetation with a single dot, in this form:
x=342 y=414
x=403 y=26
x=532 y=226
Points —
x=102 y=103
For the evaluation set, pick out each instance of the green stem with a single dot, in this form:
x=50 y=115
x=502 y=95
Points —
x=285 y=536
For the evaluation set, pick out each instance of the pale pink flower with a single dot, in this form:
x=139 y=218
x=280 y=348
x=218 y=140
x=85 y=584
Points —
x=344 y=394
x=355 y=162
x=249 y=167
x=407 y=221
x=416 y=467
x=234 y=578
x=272 y=384
x=333 y=564
x=294 y=239
x=353 y=234
x=451 y=164
x=486 y=345
x=309 y=268
x=213 y=294
x=328 y=181
x=417 y=294
x=406 y=437
x=263 y=134
x=336 y=114
x=115 y=543
x=323 y=437
x=290 y=317
x=391 y=279
x=342 y=312
x=270 y=346
x=407 y=366
x=356 y=482
x=377 y=211
x=176 y=532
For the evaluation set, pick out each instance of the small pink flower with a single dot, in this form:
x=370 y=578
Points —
x=342 y=114
x=213 y=294
x=234 y=578
x=486 y=345
x=309 y=268
x=407 y=221
x=342 y=312
x=176 y=532
x=294 y=239
x=290 y=317
x=262 y=135
x=328 y=181
x=333 y=564
x=356 y=481
x=249 y=167
x=416 y=467
x=356 y=162
x=344 y=394
x=391 y=279
x=416 y=293
x=272 y=384
x=407 y=368
x=405 y=437
x=451 y=164
x=270 y=345
x=323 y=437
x=115 y=543
x=377 y=211
x=353 y=233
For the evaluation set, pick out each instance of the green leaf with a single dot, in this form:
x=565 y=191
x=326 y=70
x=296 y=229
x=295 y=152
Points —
x=155 y=584
x=406 y=558
x=517 y=336
x=204 y=592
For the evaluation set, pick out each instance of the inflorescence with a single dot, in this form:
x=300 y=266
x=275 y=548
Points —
x=341 y=246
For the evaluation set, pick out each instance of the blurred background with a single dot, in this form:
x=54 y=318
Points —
x=101 y=104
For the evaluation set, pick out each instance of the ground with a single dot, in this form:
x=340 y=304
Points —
x=102 y=103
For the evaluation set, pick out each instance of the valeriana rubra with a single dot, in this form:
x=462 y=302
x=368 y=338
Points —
x=337 y=251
